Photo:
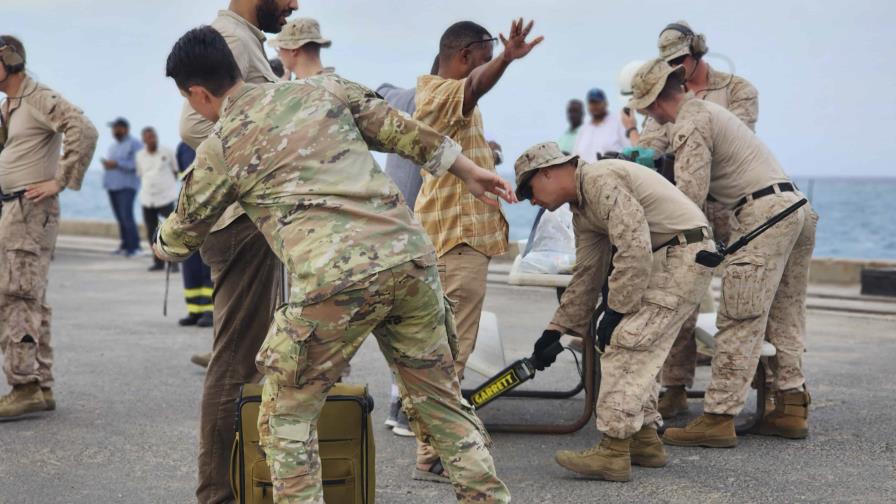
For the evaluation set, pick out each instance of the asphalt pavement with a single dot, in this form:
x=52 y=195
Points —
x=128 y=404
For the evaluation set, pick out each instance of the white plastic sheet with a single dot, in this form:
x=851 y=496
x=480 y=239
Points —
x=552 y=248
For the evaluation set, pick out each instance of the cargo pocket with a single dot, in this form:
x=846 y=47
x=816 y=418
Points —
x=640 y=330
x=20 y=275
x=283 y=357
x=289 y=455
x=743 y=287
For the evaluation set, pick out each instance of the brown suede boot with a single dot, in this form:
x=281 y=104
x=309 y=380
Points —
x=708 y=430
x=22 y=400
x=646 y=449
x=674 y=402
x=790 y=417
x=48 y=398
x=609 y=460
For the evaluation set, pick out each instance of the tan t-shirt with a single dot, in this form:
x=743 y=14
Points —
x=246 y=42
x=446 y=209
x=41 y=124
x=717 y=154
x=633 y=208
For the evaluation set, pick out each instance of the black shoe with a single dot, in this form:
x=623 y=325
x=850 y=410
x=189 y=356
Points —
x=205 y=320
x=157 y=267
x=191 y=319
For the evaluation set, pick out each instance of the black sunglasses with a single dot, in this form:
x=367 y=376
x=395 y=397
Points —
x=493 y=41
x=678 y=61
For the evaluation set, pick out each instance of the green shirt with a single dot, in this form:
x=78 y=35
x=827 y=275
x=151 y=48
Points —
x=296 y=156
x=568 y=140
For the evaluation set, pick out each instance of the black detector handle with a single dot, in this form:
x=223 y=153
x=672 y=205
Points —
x=713 y=259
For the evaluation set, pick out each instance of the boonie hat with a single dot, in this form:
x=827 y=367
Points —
x=649 y=81
x=297 y=33
x=673 y=43
x=536 y=157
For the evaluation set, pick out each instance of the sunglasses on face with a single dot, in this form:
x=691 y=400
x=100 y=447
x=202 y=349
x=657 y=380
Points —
x=678 y=61
x=491 y=41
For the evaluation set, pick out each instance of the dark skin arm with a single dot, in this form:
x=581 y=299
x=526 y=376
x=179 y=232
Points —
x=485 y=76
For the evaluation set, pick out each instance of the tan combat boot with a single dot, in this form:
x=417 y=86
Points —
x=790 y=417
x=673 y=403
x=609 y=460
x=23 y=399
x=708 y=430
x=201 y=359
x=48 y=398
x=647 y=449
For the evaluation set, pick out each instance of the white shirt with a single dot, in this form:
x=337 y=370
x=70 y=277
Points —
x=607 y=136
x=158 y=173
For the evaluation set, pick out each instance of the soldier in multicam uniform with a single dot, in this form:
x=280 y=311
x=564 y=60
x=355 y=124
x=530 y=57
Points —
x=296 y=157
x=679 y=45
x=654 y=286
x=37 y=123
x=764 y=283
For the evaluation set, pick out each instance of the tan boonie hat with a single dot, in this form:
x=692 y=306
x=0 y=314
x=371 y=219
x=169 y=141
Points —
x=297 y=33
x=538 y=156
x=673 y=42
x=649 y=81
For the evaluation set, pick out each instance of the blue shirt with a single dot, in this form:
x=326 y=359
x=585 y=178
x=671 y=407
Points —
x=404 y=173
x=123 y=176
x=185 y=156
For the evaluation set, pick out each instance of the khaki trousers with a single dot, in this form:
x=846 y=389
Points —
x=246 y=277
x=763 y=296
x=463 y=271
x=27 y=240
x=640 y=343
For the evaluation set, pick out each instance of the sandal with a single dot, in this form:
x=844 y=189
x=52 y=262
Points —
x=436 y=473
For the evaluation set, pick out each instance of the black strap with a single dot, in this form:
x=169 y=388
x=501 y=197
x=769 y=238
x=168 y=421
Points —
x=532 y=233
x=690 y=236
x=768 y=191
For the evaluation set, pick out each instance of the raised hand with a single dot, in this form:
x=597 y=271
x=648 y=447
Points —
x=515 y=45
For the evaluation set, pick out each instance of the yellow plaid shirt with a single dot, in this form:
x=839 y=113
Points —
x=445 y=208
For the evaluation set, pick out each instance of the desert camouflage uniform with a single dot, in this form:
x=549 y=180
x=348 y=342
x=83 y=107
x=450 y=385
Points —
x=633 y=209
x=740 y=97
x=296 y=157
x=764 y=283
x=41 y=124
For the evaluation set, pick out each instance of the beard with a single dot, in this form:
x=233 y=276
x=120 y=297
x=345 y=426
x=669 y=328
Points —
x=268 y=14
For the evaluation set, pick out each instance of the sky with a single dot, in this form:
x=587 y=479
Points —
x=824 y=69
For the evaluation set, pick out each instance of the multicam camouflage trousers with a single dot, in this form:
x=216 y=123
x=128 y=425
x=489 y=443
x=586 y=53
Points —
x=27 y=240
x=308 y=347
x=639 y=345
x=763 y=297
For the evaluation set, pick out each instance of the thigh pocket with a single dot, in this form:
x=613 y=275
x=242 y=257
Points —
x=21 y=275
x=743 y=288
x=640 y=330
x=283 y=356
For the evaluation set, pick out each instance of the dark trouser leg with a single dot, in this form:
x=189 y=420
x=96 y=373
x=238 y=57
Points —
x=197 y=285
x=151 y=222
x=246 y=275
x=126 y=208
x=115 y=201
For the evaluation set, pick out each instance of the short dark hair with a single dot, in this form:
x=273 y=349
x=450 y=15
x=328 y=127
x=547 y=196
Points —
x=148 y=129
x=201 y=57
x=434 y=70
x=16 y=44
x=672 y=87
x=459 y=35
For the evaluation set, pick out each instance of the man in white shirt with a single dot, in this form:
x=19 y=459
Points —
x=157 y=169
x=603 y=133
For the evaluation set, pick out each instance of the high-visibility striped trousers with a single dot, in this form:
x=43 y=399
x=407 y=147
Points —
x=197 y=285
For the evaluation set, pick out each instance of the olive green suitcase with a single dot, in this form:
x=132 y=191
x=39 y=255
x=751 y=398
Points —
x=347 y=452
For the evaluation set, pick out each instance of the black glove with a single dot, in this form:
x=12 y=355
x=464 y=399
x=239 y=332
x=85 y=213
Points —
x=606 y=326
x=547 y=339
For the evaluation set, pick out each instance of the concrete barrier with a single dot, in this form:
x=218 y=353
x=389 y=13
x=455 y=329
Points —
x=827 y=270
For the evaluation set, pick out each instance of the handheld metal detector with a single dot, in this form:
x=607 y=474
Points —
x=510 y=377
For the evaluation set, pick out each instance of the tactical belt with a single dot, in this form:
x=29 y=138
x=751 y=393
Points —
x=782 y=187
x=695 y=235
x=12 y=196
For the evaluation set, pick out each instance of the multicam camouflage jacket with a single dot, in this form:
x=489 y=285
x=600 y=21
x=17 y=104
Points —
x=297 y=158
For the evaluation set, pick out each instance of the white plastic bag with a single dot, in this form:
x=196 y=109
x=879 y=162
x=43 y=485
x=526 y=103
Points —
x=552 y=248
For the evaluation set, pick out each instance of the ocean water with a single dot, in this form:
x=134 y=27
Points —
x=857 y=215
